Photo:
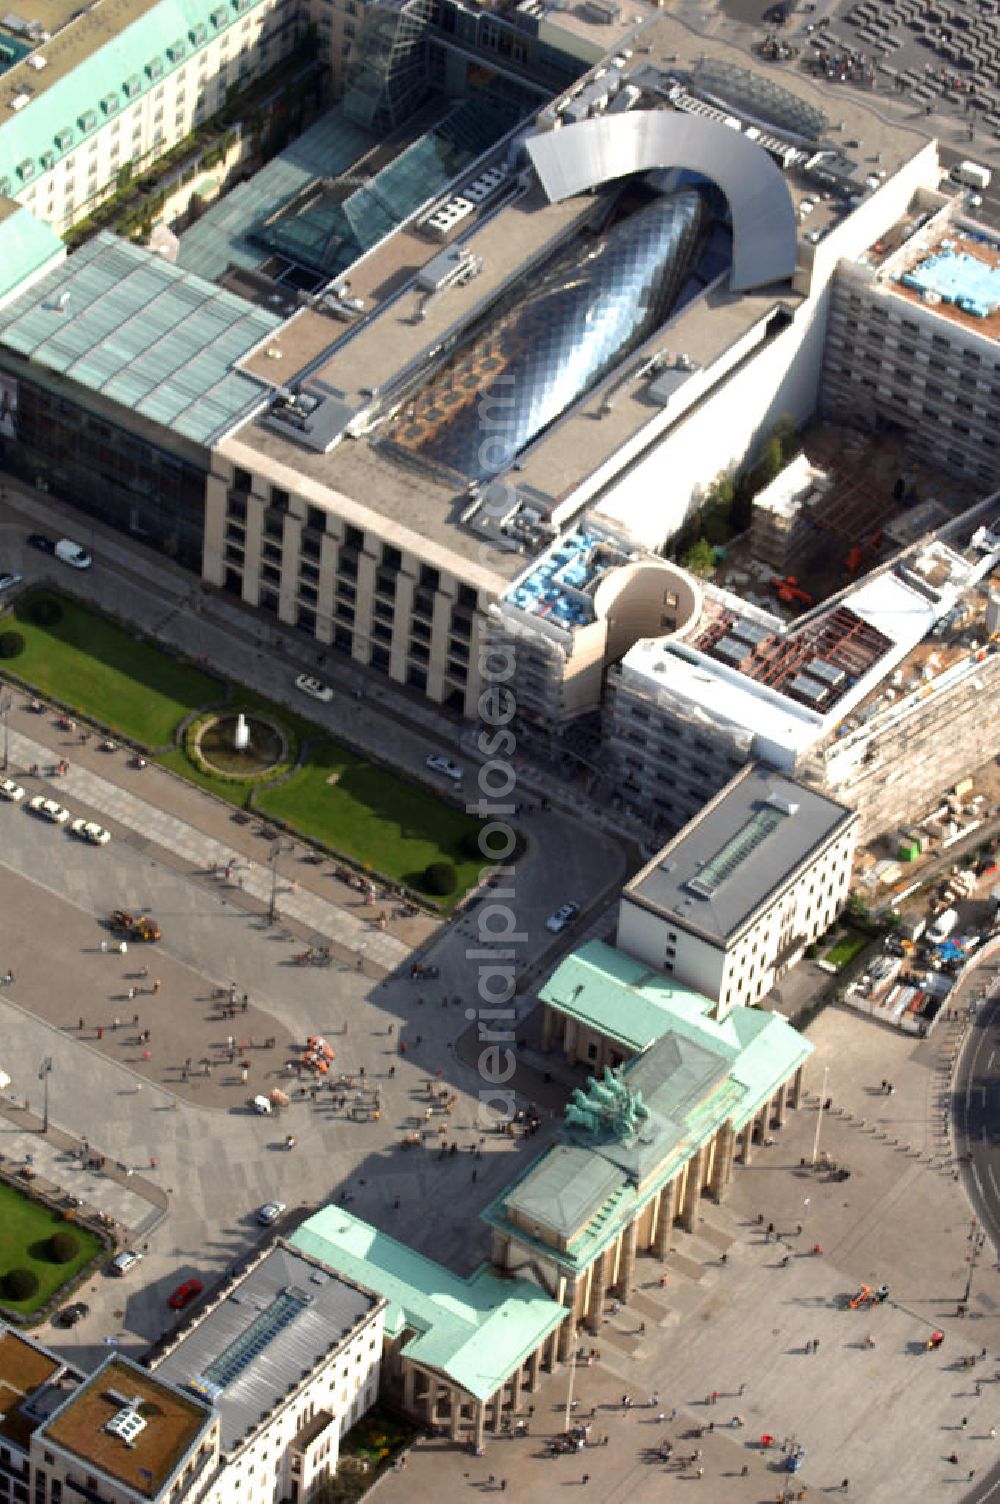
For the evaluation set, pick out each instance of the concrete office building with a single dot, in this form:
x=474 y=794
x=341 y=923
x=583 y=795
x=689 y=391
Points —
x=247 y=1403
x=86 y=93
x=288 y=1355
x=912 y=338
x=734 y=899
x=365 y=480
x=835 y=698
x=33 y=1383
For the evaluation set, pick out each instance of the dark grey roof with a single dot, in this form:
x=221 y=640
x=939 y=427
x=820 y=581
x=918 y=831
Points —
x=264 y=1338
x=746 y=844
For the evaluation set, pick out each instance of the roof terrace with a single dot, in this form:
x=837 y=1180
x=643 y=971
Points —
x=141 y=1453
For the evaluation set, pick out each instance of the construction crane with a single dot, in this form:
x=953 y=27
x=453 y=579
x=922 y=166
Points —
x=789 y=591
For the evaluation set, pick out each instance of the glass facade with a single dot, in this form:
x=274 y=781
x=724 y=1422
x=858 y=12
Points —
x=109 y=474
x=593 y=303
x=335 y=228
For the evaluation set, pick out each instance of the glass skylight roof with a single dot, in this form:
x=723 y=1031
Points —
x=595 y=301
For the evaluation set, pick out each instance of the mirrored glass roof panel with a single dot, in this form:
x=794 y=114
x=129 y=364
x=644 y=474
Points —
x=594 y=302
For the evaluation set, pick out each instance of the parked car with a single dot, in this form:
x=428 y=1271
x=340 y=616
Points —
x=8 y=581
x=11 y=790
x=444 y=765
x=185 y=1293
x=270 y=1212
x=89 y=830
x=314 y=688
x=42 y=543
x=124 y=1261
x=48 y=809
x=70 y=1315
x=562 y=917
x=71 y=553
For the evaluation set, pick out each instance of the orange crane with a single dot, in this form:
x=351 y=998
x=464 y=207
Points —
x=788 y=590
x=859 y=550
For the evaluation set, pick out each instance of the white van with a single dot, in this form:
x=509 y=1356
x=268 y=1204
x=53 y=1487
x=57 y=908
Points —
x=942 y=927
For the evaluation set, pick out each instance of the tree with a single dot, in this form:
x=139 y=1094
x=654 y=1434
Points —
x=11 y=644
x=440 y=878
x=699 y=559
x=20 y=1284
x=63 y=1246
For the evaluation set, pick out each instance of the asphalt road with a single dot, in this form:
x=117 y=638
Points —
x=976 y=1102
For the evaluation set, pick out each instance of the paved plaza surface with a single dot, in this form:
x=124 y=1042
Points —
x=886 y=1417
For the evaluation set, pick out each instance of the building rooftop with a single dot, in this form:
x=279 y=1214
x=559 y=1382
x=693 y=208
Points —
x=606 y=990
x=645 y=1120
x=130 y=1426
x=731 y=859
x=958 y=275
x=775 y=689
x=27 y=245
x=220 y=238
x=476 y=1331
x=123 y=322
x=32 y=1382
x=272 y=1328
x=100 y=58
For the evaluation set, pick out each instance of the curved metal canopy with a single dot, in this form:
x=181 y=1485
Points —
x=575 y=158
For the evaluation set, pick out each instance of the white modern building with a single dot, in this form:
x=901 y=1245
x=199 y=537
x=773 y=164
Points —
x=92 y=96
x=288 y=1356
x=732 y=901
x=912 y=338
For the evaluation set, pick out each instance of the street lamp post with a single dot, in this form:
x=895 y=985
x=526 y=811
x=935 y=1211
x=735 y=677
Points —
x=977 y=1239
x=44 y=1072
x=819 y=1115
x=272 y=908
x=6 y=701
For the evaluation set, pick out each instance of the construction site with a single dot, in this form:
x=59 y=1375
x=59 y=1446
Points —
x=848 y=502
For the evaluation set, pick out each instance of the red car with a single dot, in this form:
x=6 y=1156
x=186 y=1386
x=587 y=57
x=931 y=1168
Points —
x=185 y=1293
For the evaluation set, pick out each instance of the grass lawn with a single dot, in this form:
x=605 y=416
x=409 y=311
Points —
x=87 y=662
x=25 y=1229
x=374 y=817
x=847 y=947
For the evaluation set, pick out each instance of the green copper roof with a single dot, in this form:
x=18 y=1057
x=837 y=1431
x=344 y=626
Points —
x=124 y=322
x=624 y=1000
x=693 y=1075
x=26 y=245
x=474 y=1331
x=105 y=79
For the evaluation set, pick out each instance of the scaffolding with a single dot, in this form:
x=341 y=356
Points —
x=388 y=81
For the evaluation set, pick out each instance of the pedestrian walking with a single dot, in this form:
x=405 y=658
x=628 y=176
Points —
x=131 y=994
x=965 y=1422
x=156 y=986
x=815 y=1344
x=135 y=1020
x=81 y=1025
x=100 y=1032
x=585 y=1479
x=743 y=1389
x=104 y=947
x=714 y=1397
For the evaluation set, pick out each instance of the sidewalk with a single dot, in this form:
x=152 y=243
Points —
x=240 y=643
x=167 y=818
